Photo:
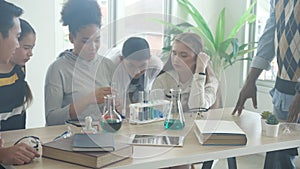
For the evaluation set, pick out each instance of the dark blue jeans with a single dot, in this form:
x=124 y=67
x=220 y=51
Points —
x=281 y=159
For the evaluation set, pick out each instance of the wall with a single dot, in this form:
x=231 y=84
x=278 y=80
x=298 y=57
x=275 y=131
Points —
x=43 y=17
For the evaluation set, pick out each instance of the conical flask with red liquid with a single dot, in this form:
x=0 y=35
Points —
x=111 y=120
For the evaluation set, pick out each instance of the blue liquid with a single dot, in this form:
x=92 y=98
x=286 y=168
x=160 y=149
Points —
x=157 y=114
x=174 y=124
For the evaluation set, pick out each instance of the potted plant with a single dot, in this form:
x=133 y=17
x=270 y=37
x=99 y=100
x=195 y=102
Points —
x=272 y=126
x=224 y=50
x=264 y=116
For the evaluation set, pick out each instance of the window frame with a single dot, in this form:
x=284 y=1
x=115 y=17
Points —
x=112 y=17
x=263 y=85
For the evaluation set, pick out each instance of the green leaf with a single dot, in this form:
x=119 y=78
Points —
x=243 y=52
x=196 y=15
x=237 y=60
x=251 y=18
x=219 y=37
x=167 y=48
x=235 y=46
x=247 y=16
x=272 y=119
x=224 y=45
x=250 y=44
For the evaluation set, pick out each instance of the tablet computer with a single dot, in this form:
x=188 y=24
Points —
x=157 y=140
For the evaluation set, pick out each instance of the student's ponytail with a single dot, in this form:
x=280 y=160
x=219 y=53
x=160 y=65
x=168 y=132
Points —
x=28 y=96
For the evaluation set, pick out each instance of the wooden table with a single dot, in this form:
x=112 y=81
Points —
x=157 y=157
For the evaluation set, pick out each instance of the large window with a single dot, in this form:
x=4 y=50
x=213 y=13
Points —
x=123 y=19
x=135 y=18
x=263 y=13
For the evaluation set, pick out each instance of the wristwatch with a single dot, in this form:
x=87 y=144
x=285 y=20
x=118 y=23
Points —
x=297 y=87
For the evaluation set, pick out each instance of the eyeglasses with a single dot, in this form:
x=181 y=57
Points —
x=31 y=141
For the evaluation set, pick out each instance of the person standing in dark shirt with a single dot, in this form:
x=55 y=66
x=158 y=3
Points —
x=284 y=22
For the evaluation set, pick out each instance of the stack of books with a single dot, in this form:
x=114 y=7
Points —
x=91 y=150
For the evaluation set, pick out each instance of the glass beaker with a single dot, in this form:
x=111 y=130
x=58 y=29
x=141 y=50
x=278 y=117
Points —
x=111 y=120
x=175 y=119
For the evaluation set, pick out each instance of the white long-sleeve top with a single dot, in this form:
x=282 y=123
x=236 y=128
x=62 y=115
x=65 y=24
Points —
x=198 y=92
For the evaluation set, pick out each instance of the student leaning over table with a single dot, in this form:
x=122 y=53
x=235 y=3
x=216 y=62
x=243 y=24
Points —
x=132 y=67
x=15 y=94
x=134 y=62
x=75 y=80
x=21 y=55
x=283 y=23
x=131 y=63
x=189 y=69
x=26 y=40
x=9 y=32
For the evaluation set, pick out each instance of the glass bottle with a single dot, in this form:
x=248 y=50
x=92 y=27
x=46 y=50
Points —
x=111 y=120
x=175 y=119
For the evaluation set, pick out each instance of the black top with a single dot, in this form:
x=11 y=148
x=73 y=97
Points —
x=12 y=95
x=135 y=86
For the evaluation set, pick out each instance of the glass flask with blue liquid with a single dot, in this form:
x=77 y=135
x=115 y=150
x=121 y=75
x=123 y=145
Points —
x=175 y=119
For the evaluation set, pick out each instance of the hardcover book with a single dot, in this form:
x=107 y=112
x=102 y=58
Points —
x=62 y=150
x=219 y=132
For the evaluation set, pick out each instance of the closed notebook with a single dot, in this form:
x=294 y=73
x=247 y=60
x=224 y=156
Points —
x=219 y=132
x=93 y=142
